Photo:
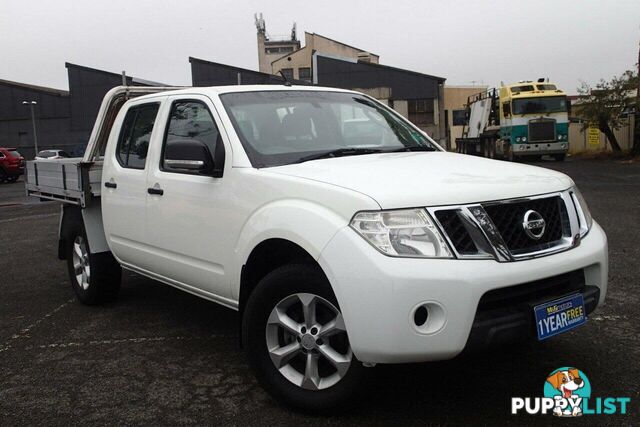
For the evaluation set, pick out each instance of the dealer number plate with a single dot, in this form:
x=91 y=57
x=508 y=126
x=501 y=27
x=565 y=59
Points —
x=562 y=315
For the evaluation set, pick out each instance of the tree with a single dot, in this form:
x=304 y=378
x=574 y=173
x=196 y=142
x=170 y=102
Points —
x=604 y=104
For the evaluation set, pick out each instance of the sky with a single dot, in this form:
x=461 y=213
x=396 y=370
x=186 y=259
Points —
x=465 y=41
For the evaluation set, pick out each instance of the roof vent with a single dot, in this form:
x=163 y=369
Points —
x=364 y=56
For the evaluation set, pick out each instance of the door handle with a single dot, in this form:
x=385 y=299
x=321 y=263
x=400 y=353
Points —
x=110 y=184
x=155 y=190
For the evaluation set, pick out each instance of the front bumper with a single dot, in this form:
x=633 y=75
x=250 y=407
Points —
x=540 y=148
x=378 y=295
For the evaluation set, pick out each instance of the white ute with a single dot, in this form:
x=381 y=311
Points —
x=342 y=233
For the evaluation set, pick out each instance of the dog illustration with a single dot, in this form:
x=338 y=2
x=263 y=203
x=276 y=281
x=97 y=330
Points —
x=566 y=382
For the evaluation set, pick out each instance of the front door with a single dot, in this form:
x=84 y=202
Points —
x=190 y=215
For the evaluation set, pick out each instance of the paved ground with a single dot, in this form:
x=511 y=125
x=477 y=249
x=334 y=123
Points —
x=162 y=356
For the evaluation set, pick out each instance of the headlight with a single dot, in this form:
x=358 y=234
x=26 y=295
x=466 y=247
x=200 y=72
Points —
x=524 y=139
x=404 y=233
x=518 y=139
x=584 y=216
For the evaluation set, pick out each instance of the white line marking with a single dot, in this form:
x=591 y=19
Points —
x=607 y=317
x=24 y=333
x=126 y=341
x=28 y=217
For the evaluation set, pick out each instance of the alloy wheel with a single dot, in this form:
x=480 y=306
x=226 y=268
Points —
x=81 y=267
x=307 y=341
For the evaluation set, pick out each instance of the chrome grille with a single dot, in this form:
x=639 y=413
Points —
x=542 y=130
x=496 y=230
x=508 y=218
x=455 y=229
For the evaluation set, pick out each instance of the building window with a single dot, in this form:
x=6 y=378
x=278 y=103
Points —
x=304 y=73
x=283 y=49
x=459 y=117
x=421 y=111
x=287 y=73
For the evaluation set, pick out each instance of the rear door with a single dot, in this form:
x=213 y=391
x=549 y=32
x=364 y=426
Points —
x=124 y=181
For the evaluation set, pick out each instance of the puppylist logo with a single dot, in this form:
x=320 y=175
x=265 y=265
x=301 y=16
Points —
x=567 y=393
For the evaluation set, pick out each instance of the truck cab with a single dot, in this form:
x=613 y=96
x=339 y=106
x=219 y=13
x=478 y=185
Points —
x=534 y=119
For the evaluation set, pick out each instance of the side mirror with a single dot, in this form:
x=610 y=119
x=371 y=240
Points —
x=193 y=156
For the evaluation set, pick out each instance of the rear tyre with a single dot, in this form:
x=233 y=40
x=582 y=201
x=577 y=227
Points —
x=560 y=157
x=3 y=175
x=95 y=278
x=297 y=343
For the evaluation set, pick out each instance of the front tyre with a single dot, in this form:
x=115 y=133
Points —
x=95 y=278
x=297 y=342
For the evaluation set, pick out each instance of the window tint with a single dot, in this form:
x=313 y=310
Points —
x=526 y=88
x=285 y=126
x=304 y=73
x=459 y=117
x=421 y=111
x=191 y=120
x=133 y=143
x=287 y=73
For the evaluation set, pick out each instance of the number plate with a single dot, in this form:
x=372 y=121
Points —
x=562 y=315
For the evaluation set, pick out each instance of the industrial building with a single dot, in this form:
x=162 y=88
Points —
x=64 y=118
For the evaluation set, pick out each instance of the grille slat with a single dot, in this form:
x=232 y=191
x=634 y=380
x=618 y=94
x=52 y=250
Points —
x=458 y=234
x=542 y=130
x=508 y=218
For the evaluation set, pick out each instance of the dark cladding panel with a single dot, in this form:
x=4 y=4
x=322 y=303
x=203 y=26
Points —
x=206 y=73
x=49 y=103
x=87 y=88
x=404 y=84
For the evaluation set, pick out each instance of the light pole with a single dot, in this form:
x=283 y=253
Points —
x=31 y=105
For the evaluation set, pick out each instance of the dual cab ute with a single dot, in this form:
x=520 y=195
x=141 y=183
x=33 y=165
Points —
x=342 y=233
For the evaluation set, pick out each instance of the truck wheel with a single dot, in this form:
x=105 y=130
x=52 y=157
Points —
x=3 y=175
x=559 y=157
x=95 y=278
x=297 y=342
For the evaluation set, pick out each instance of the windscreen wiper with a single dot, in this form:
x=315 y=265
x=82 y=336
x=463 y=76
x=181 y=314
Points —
x=340 y=152
x=415 y=148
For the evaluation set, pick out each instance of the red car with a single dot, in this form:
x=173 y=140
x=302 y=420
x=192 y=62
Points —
x=11 y=165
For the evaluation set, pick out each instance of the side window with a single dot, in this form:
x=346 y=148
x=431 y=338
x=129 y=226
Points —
x=190 y=121
x=135 y=134
x=506 y=109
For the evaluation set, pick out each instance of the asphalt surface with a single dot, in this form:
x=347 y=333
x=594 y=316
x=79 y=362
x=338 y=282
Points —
x=161 y=356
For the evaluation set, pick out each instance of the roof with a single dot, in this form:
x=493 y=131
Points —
x=387 y=67
x=133 y=79
x=344 y=44
x=49 y=90
x=230 y=67
x=324 y=37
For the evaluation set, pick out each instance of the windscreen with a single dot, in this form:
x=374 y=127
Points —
x=47 y=154
x=552 y=104
x=282 y=127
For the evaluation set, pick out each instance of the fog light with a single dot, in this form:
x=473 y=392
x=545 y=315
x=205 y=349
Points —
x=522 y=147
x=563 y=145
x=428 y=317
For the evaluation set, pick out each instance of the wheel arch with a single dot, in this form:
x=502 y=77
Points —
x=266 y=257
